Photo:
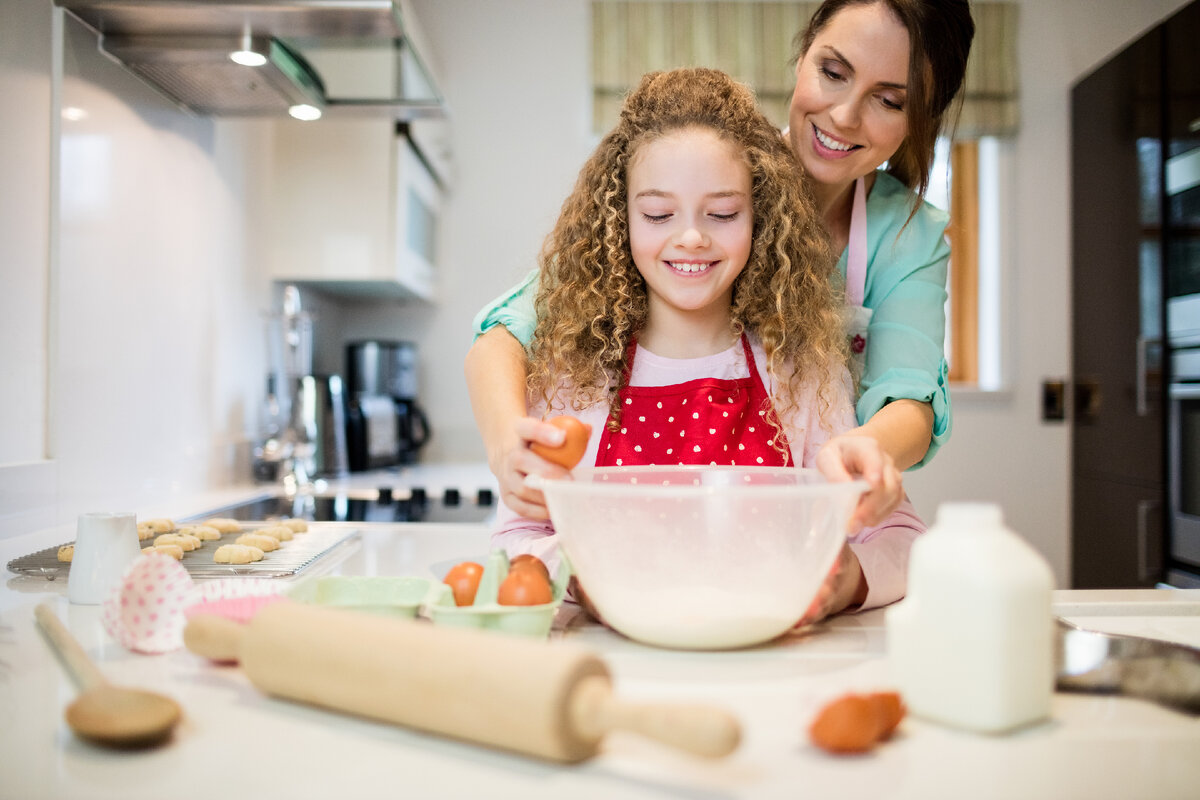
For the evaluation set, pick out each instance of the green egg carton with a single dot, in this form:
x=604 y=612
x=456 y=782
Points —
x=487 y=614
x=385 y=596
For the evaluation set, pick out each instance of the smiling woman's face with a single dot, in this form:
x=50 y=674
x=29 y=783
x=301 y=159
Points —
x=847 y=115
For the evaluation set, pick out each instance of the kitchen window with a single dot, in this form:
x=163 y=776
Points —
x=753 y=42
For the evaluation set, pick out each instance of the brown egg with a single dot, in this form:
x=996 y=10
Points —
x=463 y=580
x=524 y=587
x=847 y=725
x=889 y=710
x=567 y=454
x=530 y=561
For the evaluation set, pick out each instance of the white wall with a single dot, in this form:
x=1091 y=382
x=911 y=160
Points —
x=152 y=297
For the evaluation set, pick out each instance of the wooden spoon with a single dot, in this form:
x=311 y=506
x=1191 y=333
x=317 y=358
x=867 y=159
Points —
x=103 y=713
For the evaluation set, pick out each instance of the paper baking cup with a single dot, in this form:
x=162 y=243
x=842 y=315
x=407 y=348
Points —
x=144 y=612
x=147 y=611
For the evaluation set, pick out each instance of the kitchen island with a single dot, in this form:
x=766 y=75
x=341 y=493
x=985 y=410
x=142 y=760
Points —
x=236 y=742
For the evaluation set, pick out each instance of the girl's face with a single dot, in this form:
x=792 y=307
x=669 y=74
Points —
x=847 y=115
x=691 y=221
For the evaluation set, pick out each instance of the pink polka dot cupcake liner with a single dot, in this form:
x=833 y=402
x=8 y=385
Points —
x=148 y=609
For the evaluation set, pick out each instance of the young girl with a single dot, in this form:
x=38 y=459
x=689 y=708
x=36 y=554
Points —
x=686 y=310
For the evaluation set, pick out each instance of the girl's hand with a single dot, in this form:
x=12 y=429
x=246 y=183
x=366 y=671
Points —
x=514 y=460
x=844 y=587
x=856 y=455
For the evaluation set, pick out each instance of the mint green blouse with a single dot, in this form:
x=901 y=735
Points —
x=905 y=288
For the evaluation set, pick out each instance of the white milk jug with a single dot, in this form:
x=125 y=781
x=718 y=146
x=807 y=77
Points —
x=106 y=543
x=971 y=645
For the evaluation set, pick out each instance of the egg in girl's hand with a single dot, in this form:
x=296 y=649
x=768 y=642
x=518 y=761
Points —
x=525 y=587
x=463 y=580
x=575 y=442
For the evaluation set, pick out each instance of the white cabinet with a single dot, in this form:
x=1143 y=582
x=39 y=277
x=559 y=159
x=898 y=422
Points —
x=353 y=209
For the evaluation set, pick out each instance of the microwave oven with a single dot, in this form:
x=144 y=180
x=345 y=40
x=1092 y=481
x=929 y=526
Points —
x=418 y=198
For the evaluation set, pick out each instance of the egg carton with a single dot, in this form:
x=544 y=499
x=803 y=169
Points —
x=429 y=598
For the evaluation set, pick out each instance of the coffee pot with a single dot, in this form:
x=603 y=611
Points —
x=386 y=426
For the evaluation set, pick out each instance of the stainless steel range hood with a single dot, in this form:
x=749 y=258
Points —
x=348 y=57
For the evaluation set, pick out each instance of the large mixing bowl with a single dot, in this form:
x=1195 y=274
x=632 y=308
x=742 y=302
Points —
x=700 y=557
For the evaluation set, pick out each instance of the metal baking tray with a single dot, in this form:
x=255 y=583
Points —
x=293 y=556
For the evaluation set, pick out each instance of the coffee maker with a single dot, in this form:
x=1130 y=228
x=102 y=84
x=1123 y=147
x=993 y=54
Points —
x=385 y=425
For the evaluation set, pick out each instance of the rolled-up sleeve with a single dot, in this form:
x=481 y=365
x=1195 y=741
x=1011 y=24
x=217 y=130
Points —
x=906 y=290
x=514 y=310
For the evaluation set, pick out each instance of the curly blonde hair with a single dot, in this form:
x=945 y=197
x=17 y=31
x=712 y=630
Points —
x=592 y=301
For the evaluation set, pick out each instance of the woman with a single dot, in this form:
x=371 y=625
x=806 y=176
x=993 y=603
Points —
x=874 y=84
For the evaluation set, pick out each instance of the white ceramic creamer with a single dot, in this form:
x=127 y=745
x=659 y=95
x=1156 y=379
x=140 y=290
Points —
x=971 y=645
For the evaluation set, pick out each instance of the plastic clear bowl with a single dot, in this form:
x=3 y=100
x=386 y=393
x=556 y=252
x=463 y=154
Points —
x=700 y=557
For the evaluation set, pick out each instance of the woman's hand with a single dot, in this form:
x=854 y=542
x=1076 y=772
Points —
x=844 y=588
x=858 y=455
x=513 y=460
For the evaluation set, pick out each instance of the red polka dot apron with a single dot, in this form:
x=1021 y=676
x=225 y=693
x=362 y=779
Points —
x=702 y=421
x=855 y=316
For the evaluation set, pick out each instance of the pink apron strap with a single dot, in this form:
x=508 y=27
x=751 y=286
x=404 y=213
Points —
x=856 y=255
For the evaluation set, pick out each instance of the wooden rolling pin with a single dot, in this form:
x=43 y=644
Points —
x=551 y=700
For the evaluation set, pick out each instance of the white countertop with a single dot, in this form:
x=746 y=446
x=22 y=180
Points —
x=236 y=742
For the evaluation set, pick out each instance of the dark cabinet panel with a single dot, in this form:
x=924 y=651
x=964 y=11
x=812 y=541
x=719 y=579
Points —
x=1116 y=204
x=1117 y=534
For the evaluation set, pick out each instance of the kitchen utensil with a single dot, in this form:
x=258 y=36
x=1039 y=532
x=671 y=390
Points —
x=378 y=369
x=551 y=700
x=700 y=557
x=103 y=713
x=105 y=544
x=990 y=628
x=1092 y=661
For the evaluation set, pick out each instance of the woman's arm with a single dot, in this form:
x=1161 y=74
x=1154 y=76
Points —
x=904 y=380
x=889 y=443
x=903 y=429
x=495 y=371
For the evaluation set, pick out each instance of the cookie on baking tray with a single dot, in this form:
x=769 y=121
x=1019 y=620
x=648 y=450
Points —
x=205 y=533
x=188 y=543
x=224 y=524
x=280 y=533
x=237 y=554
x=264 y=543
x=172 y=550
x=297 y=525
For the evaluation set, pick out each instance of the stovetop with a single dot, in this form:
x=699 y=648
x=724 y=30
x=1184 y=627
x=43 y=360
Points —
x=382 y=505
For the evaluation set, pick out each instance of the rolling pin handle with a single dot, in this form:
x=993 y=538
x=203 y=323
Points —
x=701 y=730
x=215 y=638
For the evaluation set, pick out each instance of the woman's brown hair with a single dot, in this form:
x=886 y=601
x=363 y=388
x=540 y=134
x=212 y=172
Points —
x=592 y=300
x=939 y=35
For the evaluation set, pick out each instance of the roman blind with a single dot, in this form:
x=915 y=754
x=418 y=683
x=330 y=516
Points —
x=753 y=42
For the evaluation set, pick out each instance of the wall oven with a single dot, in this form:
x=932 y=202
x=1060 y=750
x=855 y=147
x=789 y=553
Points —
x=1183 y=468
x=1182 y=285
